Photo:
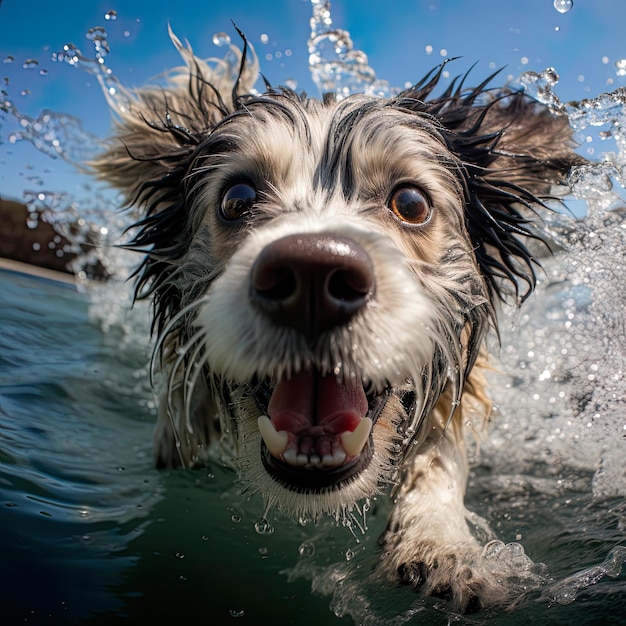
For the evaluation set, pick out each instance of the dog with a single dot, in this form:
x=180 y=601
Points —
x=323 y=275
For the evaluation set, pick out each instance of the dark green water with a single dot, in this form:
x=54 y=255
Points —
x=92 y=534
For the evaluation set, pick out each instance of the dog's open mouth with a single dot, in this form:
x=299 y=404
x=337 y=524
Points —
x=317 y=430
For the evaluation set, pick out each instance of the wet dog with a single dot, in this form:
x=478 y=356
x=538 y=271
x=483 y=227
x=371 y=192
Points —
x=323 y=276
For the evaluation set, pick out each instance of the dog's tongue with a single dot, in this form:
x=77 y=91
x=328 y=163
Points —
x=317 y=404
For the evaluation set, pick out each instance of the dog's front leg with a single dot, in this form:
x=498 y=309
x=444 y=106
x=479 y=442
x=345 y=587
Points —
x=428 y=543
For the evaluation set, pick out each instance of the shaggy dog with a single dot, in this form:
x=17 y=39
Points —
x=323 y=276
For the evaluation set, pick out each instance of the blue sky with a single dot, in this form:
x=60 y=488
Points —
x=403 y=39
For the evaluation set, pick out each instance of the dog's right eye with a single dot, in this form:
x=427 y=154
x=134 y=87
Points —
x=237 y=201
x=410 y=205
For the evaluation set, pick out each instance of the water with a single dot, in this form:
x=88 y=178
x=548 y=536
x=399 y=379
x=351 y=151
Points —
x=91 y=532
x=335 y=65
x=563 y=6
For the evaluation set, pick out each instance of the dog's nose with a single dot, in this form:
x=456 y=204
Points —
x=311 y=282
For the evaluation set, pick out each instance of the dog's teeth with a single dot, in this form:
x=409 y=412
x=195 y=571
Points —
x=339 y=454
x=335 y=459
x=290 y=454
x=353 y=442
x=276 y=441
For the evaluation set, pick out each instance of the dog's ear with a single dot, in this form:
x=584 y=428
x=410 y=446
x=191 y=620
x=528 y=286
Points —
x=157 y=129
x=514 y=155
x=158 y=133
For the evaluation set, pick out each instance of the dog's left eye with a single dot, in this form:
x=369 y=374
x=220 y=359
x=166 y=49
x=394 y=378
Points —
x=410 y=205
x=237 y=201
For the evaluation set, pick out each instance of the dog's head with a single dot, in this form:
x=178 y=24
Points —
x=326 y=270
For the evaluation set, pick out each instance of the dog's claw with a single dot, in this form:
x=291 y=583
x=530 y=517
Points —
x=353 y=442
x=276 y=441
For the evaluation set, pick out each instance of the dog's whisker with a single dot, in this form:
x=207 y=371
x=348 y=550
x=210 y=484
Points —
x=175 y=383
x=165 y=333
x=192 y=373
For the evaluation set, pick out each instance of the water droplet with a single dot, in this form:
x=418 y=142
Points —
x=292 y=83
x=221 y=39
x=8 y=59
x=620 y=65
x=349 y=555
x=306 y=549
x=263 y=527
x=563 y=6
x=96 y=33
x=110 y=15
x=264 y=38
x=235 y=518
x=550 y=75
x=236 y=613
x=30 y=64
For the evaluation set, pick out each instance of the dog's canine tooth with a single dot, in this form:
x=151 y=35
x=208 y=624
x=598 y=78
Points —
x=290 y=454
x=353 y=442
x=276 y=441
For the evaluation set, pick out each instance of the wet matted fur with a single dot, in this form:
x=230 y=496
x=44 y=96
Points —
x=323 y=276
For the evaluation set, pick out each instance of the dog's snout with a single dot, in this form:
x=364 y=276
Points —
x=312 y=282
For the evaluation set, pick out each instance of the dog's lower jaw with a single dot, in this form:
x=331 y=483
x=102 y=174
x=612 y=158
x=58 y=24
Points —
x=313 y=500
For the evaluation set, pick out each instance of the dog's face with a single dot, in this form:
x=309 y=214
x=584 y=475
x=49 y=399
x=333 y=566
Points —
x=326 y=270
x=342 y=278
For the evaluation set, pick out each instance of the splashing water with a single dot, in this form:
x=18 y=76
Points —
x=565 y=591
x=57 y=135
x=604 y=115
x=336 y=67
x=95 y=66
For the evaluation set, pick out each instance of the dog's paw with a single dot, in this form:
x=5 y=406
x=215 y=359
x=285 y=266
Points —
x=450 y=576
x=470 y=579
